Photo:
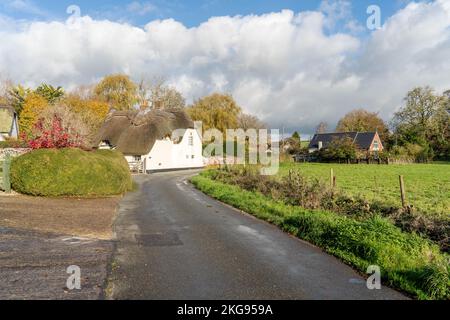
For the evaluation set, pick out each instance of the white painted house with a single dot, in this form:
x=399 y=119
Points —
x=9 y=126
x=154 y=140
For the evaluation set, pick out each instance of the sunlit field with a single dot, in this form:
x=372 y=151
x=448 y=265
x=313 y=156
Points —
x=427 y=185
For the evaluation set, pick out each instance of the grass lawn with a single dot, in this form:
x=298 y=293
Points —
x=427 y=185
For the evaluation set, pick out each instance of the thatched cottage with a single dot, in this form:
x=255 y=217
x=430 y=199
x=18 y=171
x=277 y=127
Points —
x=153 y=140
x=9 y=127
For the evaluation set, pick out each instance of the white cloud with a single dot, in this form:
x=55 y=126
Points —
x=282 y=66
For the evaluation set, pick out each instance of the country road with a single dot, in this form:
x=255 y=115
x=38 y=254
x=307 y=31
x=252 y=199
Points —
x=173 y=242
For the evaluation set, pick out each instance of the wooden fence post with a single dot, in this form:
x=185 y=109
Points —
x=331 y=177
x=402 y=191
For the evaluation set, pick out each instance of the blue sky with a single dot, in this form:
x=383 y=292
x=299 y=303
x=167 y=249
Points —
x=189 y=12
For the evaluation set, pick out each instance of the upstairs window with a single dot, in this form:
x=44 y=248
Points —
x=191 y=141
x=376 y=146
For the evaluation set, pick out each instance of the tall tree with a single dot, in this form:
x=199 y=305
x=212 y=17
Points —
x=447 y=97
x=92 y=111
x=423 y=120
x=156 y=94
x=34 y=105
x=50 y=93
x=17 y=96
x=217 y=111
x=5 y=87
x=361 y=120
x=421 y=105
x=322 y=127
x=118 y=90
x=248 y=121
x=296 y=136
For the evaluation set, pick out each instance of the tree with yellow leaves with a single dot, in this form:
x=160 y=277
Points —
x=91 y=110
x=34 y=104
x=118 y=90
x=217 y=111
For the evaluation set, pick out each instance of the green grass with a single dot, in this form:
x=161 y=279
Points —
x=427 y=185
x=70 y=172
x=407 y=261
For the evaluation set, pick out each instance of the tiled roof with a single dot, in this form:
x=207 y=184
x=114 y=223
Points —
x=362 y=139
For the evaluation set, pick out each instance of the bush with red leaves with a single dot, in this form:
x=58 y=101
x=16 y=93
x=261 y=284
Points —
x=55 y=136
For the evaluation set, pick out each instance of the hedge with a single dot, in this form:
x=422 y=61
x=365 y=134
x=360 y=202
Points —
x=70 y=172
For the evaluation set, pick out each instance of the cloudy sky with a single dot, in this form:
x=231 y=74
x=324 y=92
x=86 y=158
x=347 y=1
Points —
x=294 y=63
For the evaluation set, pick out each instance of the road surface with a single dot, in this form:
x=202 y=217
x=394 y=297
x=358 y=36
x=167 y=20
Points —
x=173 y=242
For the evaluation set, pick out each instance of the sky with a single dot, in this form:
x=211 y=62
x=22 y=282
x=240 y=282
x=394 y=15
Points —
x=292 y=63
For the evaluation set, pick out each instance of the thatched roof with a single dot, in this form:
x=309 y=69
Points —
x=135 y=133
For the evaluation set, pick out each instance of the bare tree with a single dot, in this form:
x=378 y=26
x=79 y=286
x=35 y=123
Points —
x=156 y=94
x=84 y=91
x=5 y=88
x=248 y=121
x=322 y=127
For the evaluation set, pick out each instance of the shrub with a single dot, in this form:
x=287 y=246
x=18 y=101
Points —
x=70 y=172
x=58 y=127
x=339 y=149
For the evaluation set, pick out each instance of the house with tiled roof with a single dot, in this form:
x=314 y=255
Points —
x=364 y=141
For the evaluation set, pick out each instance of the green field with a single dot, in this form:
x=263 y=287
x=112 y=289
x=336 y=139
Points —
x=427 y=185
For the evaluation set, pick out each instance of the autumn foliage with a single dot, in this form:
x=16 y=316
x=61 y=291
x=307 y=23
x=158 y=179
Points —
x=34 y=105
x=58 y=127
x=54 y=137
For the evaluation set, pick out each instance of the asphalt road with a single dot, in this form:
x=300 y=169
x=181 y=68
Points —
x=173 y=242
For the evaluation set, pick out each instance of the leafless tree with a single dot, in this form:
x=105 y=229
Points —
x=248 y=121
x=154 y=93
x=5 y=89
x=322 y=127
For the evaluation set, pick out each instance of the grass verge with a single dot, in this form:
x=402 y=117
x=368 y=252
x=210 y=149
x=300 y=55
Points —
x=407 y=261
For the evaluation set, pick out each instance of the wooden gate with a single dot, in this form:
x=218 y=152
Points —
x=5 y=182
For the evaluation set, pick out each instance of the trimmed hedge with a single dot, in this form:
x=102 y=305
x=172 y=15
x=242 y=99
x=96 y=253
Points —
x=70 y=172
x=407 y=261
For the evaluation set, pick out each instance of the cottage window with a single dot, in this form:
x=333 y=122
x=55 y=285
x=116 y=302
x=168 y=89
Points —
x=191 y=141
x=376 y=146
x=137 y=158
